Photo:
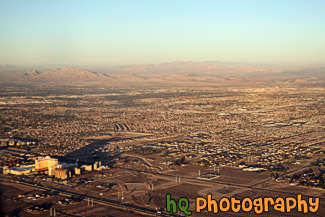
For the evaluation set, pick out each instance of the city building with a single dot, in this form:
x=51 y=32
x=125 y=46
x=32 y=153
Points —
x=4 y=170
x=51 y=169
x=87 y=167
x=45 y=163
x=77 y=171
x=61 y=173
x=21 y=170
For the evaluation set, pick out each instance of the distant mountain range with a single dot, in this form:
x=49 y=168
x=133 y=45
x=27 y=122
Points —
x=171 y=72
x=202 y=68
x=68 y=74
x=56 y=75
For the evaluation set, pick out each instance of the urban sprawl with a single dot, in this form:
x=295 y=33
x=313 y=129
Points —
x=125 y=149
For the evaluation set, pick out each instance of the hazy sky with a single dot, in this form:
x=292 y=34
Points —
x=117 y=32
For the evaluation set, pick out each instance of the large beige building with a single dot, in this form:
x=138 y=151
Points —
x=45 y=163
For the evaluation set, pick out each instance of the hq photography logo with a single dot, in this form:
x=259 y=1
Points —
x=257 y=205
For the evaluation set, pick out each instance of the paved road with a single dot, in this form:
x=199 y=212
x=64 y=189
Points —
x=102 y=201
x=141 y=158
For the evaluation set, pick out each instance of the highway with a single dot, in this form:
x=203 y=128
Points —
x=141 y=158
x=102 y=201
x=142 y=210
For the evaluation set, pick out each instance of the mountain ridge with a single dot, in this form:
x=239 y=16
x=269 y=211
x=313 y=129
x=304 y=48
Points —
x=176 y=72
